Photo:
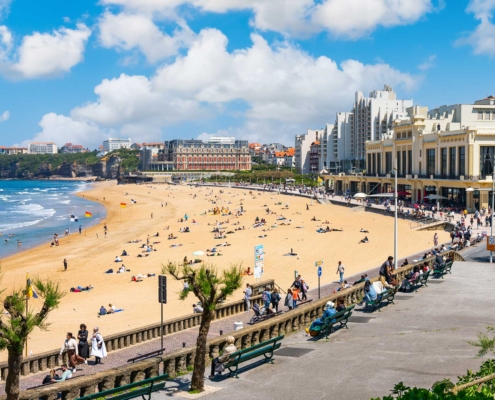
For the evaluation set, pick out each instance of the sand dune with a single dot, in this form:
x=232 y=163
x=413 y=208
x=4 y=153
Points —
x=89 y=256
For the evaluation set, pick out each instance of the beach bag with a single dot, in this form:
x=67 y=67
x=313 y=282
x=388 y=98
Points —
x=315 y=331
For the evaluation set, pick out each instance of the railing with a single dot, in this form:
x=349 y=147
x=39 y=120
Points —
x=477 y=382
x=182 y=361
x=51 y=359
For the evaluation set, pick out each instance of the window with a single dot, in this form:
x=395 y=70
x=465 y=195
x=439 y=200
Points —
x=388 y=162
x=409 y=162
x=452 y=162
x=369 y=164
x=487 y=156
x=430 y=162
x=398 y=162
x=404 y=161
x=379 y=163
x=420 y=152
x=462 y=160
x=443 y=166
x=487 y=116
x=480 y=115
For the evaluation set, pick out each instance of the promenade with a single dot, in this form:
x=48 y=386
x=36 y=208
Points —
x=419 y=340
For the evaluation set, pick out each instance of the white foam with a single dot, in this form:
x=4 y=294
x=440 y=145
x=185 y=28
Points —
x=6 y=227
x=64 y=202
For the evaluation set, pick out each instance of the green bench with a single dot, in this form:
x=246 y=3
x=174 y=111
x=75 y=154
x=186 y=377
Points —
x=265 y=349
x=443 y=270
x=142 y=388
x=342 y=317
x=422 y=279
x=388 y=295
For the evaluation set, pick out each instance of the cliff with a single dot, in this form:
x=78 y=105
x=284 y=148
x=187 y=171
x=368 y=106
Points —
x=43 y=166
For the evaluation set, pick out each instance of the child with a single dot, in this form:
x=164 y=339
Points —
x=295 y=297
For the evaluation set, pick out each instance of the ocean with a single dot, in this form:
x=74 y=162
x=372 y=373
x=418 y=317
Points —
x=32 y=211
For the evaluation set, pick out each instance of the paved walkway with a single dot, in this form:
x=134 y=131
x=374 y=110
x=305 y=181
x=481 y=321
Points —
x=419 y=340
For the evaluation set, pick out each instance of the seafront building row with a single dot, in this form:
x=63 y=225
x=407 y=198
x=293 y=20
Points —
x=447 y=151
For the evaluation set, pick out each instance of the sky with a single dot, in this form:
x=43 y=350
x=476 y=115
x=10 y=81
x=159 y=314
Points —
x=261 y=70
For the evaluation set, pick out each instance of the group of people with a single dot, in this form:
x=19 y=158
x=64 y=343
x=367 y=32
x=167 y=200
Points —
x=78 y=352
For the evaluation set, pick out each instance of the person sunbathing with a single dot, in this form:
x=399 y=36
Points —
x=175 y=245
x=121 y=269
x=364 y=231
x=365 y=240
x=117 y=259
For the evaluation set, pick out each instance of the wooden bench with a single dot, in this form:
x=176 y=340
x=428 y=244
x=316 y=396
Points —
x=147 y=355
x=141 y=388
x=388 y=295
x=265 y=349
x=339 y=318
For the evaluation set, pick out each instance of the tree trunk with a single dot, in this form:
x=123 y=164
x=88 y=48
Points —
x=12 y=383
x=198 y=377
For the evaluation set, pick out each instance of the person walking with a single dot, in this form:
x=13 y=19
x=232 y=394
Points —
x=247 y=297
x=66 y=264
x=98 y=348
x=275 y=299
x=304 y=290
x=340 y=271
x=82 y=346
x=266 y=297
x=288 y=299
x=435 y=239
x=70 y=345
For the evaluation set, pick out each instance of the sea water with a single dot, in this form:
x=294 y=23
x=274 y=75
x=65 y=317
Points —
x=33 y=211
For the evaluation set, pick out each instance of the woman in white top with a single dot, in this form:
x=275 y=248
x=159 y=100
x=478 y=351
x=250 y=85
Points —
x=98 y=348
x=70 y=345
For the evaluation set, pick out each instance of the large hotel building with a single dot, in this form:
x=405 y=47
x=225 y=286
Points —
x=442 y=151
x=217 y=154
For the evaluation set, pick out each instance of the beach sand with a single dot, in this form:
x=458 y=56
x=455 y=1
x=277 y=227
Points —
x=90 y=256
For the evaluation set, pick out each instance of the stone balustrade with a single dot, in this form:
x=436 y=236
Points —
x=52 y=359
x=181 y=361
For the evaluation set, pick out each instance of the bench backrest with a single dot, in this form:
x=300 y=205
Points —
x=257 y=346
x=145 y=382
x=340 y=315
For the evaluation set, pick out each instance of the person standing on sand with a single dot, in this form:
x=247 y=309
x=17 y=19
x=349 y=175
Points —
x=80 y=229
x=151 y=215
x=66 y=264
x=340 y=271
x=435 y=239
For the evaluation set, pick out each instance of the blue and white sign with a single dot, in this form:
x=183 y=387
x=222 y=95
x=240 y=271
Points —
x=320 y=271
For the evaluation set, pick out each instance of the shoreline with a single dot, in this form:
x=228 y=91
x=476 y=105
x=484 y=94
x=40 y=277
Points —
x=37 y=247
x=59 y=178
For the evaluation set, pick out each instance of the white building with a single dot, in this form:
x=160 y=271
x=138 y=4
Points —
x=372 y=118
x=335 y=144
x=115 y=144
x=302 y=148
x=43 y=148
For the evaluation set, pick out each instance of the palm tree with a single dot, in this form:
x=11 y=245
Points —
x=20 y=322
x=211 y=289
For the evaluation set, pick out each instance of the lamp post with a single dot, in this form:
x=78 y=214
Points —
x=395 y=215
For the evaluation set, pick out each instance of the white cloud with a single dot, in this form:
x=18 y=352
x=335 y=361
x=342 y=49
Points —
x=482 y=39
x=43 y=55
x=343 y=18
x=284 y=89
x=61 y=129
x=5 y=116
x=428 y=64
x=128 y=31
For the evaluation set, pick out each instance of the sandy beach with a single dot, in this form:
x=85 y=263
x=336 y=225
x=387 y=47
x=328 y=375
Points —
x=90 y=255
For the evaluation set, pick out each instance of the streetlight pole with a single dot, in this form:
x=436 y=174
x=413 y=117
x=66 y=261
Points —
x=395 y=216
x=493 y=203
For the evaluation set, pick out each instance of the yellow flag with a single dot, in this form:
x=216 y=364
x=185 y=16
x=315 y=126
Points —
x=30 y=292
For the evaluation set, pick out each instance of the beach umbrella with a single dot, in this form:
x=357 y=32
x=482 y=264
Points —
x=198 y=253
x=435 y=197
x=360 y=195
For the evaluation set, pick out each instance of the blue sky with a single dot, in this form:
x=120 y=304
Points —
x=264 y=70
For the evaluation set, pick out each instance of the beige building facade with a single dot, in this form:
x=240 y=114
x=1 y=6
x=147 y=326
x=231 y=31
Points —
x=443 y=152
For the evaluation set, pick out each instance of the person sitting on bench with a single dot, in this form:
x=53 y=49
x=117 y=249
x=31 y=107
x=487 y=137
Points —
x=67 y=374
x=369 y=292
x=217 y=363
x=329 y=311
x=410 y=278
x=363 y=278
x=439 y=261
